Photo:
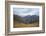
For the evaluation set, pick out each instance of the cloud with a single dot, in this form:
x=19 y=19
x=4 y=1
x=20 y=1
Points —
x=26 y=11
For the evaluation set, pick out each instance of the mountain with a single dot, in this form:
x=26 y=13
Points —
x=30 y=19
x=33 y=16
x=27 y=19
x=16 y=17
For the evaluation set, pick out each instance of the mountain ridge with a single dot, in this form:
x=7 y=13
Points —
x=27 y=19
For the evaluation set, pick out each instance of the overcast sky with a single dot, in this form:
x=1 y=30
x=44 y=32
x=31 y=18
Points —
x=26 y=11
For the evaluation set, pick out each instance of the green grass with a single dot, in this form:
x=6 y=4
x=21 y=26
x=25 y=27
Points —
x=18 y=25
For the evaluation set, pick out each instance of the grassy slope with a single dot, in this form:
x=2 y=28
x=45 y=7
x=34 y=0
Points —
x=17 y=25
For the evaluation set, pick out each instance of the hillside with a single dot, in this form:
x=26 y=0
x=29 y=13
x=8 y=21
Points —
x=26 y=19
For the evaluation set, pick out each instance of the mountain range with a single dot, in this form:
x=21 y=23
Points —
x=27 y=19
